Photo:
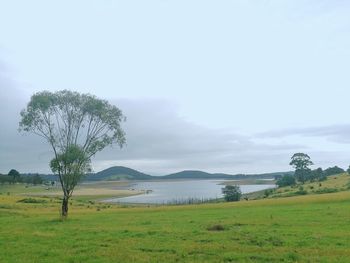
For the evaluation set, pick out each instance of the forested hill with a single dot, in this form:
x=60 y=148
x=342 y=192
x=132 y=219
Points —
x=204 y=175
x=119 y=173
x=124 y=173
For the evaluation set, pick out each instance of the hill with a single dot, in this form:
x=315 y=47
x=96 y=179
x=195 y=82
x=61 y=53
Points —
x=333 y=183
x=118 y=173
x=189 y=174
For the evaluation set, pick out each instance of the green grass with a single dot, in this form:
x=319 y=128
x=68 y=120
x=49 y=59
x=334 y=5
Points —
x=310 y=228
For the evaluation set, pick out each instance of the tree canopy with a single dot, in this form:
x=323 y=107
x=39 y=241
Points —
x=232 y=193
x=301 y=162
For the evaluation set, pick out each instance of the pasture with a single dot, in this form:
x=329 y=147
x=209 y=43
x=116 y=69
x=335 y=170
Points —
x=310 y=228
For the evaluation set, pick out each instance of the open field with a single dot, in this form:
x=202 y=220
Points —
x=310 y=228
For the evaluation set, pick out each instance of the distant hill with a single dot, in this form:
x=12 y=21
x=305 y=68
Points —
x=204 y=175
x=188 y=174
x=118 y=173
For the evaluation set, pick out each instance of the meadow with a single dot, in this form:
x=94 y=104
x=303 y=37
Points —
x=308 y=228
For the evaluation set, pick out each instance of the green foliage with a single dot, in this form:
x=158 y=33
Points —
x=317 y=175
x=326 y=190
x=268 y=192
x=286 y=180
x=303 y=175
x=15 y=175
x=301 y=163
x=33 y=179
x=232 y=193
x=216 y=228
x=64 y=118
x=333 y=171
x=73 y=164
x=300 y=192
x=6 y=179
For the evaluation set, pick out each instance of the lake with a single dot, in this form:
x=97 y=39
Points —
x=163 y=192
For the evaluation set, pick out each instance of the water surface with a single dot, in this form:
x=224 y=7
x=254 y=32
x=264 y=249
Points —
x=163 y=192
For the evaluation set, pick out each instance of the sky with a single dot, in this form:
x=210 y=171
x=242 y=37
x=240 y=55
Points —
x=221 y=86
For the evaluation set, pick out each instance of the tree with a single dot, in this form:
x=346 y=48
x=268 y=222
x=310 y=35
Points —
x=301 y=163
x=76 y=126
x=333 y=170
x=15 y=175
x=286 y=180
x=348 y=170
x=232 y=193
x=318 y=175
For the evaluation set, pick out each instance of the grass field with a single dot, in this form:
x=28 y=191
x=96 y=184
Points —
x=310 y=228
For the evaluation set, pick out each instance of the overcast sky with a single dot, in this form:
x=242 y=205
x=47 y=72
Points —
x=221 y=86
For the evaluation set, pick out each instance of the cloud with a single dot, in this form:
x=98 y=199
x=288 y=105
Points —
x=159 y=141
x=335 y=133
x=22 y=152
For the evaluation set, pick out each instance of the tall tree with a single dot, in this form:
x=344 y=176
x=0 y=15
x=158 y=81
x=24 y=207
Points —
x=76 y=126
x=301 y=162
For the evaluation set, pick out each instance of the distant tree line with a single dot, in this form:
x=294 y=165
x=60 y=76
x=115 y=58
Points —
x=15 y=177
x=302 y=162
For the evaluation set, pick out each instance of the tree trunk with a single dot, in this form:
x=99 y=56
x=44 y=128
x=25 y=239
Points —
x=65 y=206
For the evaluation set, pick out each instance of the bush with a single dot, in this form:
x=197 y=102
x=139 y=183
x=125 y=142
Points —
x=268 y=192
x=31 y=201
x=301 y=192
x=216 y=228
x=326 y=190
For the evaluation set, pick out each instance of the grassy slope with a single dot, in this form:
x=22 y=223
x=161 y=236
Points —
x=311 y=228
x=334 y=183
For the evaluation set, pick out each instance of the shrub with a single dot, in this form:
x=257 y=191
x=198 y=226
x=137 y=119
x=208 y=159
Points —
x=31 y=201
x=268 y=192
x=326 y=190
x=301 y=191
x=216 y=228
